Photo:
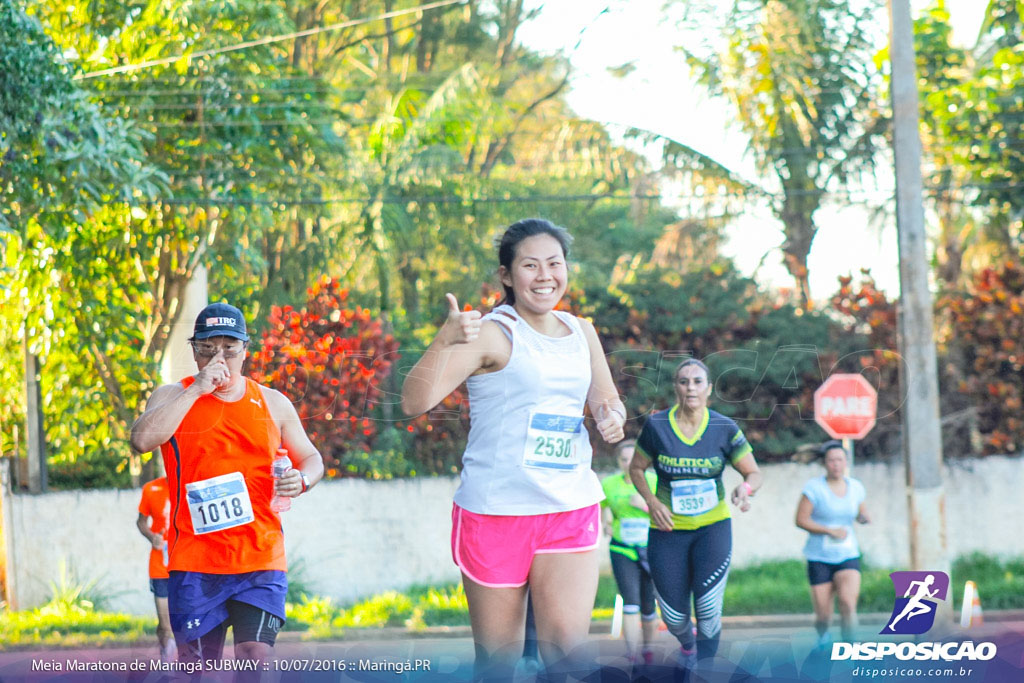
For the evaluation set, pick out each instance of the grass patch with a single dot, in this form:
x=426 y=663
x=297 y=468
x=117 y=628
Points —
x=387 y=609
x=781 y=588
x=444 y=607
x=1000 y=584
x=606 y=592
x=71 y=617
x=37 y=627
x=298 y=580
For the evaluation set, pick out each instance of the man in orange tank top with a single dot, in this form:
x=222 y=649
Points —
x=154 y=509
x=219 y=432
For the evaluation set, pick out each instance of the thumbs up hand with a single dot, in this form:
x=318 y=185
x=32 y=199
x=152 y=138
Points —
x=609 y=424
x=461 y=327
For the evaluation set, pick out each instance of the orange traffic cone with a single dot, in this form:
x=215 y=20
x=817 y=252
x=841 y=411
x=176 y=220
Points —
x=970 y=610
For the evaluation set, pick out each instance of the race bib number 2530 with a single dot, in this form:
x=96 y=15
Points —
x=551 y=441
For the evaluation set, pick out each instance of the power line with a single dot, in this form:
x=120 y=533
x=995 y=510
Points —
x=240 y=124
x=519 y=199
x=452 y=199
x=992 y=145
x=264 y=41
x=440 y=199
x=223 y=106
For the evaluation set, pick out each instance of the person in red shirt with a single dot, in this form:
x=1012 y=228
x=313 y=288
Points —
x=154 y=509
x=219 y=432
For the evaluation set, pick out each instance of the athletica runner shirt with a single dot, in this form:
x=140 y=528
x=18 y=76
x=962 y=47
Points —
x=219 y=475
x=630 y=524
x=528 y=451
x=690 y=470
x=831 y=510
x=156 y=504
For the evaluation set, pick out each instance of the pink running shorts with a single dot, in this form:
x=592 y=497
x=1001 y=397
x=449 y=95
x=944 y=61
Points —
x=497 y=550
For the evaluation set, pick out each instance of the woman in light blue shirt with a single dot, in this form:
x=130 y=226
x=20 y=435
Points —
x=828 y=507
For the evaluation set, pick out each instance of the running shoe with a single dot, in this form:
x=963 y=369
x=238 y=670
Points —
x=169 y=653
x=686 y=659
x=526 y=669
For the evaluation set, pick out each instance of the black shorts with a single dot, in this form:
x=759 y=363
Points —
x=251 y=624
x=158 y=587
x=822 y=572
x=633 y=577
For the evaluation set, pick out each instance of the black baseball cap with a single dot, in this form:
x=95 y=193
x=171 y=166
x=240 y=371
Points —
x=220 y=320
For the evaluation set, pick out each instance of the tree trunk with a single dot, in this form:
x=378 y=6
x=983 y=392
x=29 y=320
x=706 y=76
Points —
x=389 y=39
x=410 y=278
x=798 y=224
x=949 y=253
x=511 y=15
x=35 y=427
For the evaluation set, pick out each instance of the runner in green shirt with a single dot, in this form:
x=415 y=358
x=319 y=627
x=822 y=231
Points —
x=626 y=520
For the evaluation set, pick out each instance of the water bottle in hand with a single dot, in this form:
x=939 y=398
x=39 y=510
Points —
x=282 y=463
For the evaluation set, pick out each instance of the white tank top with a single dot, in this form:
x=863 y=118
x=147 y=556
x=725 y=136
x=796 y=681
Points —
x=529 y=452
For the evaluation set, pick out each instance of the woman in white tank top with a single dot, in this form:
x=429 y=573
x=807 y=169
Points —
x=525 y=514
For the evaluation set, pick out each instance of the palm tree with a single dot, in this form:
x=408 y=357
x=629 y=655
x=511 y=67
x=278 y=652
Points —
x=800 y=75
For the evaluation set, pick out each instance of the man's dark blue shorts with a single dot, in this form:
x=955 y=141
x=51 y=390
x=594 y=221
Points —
x=198 y=601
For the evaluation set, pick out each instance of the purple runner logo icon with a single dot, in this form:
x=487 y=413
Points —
x=917 y=596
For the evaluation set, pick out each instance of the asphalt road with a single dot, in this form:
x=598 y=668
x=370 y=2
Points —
x=755 y=649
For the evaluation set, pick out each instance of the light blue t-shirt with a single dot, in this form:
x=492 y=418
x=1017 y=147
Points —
x=831 y=510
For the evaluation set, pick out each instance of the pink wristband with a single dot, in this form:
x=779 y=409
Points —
x=750 y=491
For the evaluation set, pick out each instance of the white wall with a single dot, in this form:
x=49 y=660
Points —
x=356 y=538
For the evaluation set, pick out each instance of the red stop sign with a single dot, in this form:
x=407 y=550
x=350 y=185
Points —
x=845 y=406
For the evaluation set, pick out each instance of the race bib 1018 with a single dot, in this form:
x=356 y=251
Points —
x=219 y=503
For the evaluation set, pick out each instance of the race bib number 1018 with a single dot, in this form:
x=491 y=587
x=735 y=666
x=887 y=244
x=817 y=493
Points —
x=219 y=503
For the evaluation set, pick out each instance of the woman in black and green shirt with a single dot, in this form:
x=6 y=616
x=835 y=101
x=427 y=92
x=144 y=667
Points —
x=690 y=542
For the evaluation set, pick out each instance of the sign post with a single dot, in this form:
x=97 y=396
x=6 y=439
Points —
x=845 y=406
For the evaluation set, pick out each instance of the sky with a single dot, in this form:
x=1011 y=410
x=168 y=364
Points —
x=660 y=96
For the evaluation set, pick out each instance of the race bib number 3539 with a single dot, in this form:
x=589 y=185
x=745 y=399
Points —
x=551 y=441
x=692 y=497
x=219 y=503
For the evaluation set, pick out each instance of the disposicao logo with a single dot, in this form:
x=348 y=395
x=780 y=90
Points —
x=917 y=597
x=914 y=613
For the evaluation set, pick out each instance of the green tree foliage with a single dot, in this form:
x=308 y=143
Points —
x=800 y=75
x=986 y=320
x=69 y=173
x=235 y=132
x=386 y=155
x=972 y=130
x=766 y=357
x=865 y=310
x=375 y=152
x=207 y=143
